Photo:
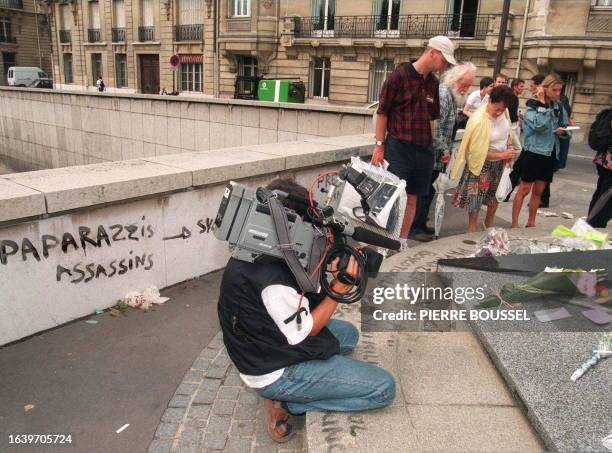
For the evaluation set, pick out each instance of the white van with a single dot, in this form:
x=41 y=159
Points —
x=28 y=76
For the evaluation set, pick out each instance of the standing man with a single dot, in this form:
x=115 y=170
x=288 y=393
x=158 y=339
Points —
x=454 y=85
x=500 y=79
x=100 y=84
x=408 y=105
x=478 y=97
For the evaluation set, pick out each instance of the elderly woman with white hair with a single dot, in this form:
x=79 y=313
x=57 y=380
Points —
x=454 y=85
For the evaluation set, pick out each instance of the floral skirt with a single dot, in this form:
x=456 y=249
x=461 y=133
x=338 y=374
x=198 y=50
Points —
x=474 y=191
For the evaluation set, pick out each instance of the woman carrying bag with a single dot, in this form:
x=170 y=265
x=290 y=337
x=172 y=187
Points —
x=544 y=127
x=485 y=146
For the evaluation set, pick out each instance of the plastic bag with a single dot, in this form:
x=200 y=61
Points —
x=505 y=184
x=145 y=299
x=389 y=218
x=582 y=231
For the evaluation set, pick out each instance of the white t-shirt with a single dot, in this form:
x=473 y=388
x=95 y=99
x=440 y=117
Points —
x=281 y=302
x=474 y=101
x=499 y=133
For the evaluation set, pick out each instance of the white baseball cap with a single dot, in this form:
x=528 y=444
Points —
x=444 y=45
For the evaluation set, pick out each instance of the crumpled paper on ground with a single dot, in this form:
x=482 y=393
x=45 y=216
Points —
x=494 y=243
x=146 y=299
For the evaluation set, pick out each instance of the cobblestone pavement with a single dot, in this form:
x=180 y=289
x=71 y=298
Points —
x=212 y=410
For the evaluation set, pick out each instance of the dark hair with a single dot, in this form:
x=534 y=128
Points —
x=516 y=82
x=485 y=82
x=291 y=187
x=502 y=93
x=538 y=79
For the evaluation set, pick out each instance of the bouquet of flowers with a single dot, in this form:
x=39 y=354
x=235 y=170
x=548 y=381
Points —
x=551 y=282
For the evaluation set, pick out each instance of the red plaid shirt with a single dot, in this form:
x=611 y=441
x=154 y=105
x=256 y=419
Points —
x=410 y=102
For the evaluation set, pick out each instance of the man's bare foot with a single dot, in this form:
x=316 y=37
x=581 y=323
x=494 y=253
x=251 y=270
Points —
x=277 y=421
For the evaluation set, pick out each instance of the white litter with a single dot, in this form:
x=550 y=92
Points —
x=567 y=215
x=145 y=299
x=547 y=213
x=122 y=428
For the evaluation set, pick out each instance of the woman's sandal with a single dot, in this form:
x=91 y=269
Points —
x=277 y=422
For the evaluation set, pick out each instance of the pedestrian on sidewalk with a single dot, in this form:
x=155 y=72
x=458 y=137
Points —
x=600 y=139
x=100 y=84
x=515 y=175
x=478 y=97
x=454 y=85
x=486 y=144
x=408 y=105
x=285 y=344
x=500 y=79
x=544 y=125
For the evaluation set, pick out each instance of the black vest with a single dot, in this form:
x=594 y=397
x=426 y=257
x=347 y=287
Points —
x=252 y=339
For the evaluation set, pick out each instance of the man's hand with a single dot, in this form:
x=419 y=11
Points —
x=379 y=155
x=560 y=131
x=351 y=269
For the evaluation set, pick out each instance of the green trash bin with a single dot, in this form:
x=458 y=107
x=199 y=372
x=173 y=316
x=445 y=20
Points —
x=281 y=91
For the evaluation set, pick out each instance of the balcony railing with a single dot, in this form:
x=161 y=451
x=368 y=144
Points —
x=393 y=26
x=93 y=35
x=146 y=34
x=188 y=32
x=118 y=34
x=64 y=36
x=13 y=4
x=4 y=38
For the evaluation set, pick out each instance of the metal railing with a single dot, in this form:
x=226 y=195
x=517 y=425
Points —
x=192 y=32
x=118 y=34
x=64 y=36
x=13 y=4
x=393 y=26
x=93 y=35
x=4 y=38
x=146 y=34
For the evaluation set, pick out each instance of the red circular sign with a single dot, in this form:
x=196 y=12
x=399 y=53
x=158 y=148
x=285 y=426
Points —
x=174 y=60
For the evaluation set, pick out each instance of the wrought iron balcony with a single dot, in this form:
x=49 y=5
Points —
x=93 y=35
x=12 y=4
x=118 y=34
x=188 y=32
x=64 y=36
x=393 y=26
x=4 y=38
x=146 y=34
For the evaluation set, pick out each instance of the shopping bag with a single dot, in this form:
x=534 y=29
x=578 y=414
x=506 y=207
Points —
x=505 y=184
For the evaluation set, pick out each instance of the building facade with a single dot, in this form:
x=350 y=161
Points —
x=24 y=37
x=341 y=49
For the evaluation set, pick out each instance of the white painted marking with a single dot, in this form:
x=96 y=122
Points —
x=122 y=428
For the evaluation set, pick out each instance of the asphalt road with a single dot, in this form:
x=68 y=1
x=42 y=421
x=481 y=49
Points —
x=88 y=380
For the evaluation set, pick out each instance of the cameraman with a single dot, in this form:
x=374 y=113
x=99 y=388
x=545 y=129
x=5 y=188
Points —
x=295 y=367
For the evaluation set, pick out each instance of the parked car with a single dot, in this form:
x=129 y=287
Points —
x=28 y=76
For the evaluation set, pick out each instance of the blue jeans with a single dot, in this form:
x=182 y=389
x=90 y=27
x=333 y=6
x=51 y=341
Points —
x=337 y=384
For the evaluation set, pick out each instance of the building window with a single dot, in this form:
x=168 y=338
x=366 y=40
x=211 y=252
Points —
x=601 y=3
x=64 y=17
x=146 y=15
x=247 y=69
x=96 y=67
x=191 y=76
x=240 y=8
x=319 y=88
x=68 y=68
x=119 y=13
x=324 y=12
x=5 y=29
x=121 y=70
x=380 y=70
x=190 y=12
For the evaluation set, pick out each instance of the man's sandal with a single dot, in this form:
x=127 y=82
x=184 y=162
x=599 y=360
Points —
x=277 y=421
x=278 y=434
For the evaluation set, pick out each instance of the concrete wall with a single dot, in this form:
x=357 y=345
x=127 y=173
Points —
x=76 y=239
x=42 y=129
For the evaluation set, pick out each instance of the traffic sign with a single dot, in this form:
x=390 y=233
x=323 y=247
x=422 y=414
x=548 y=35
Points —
x=174 y=61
